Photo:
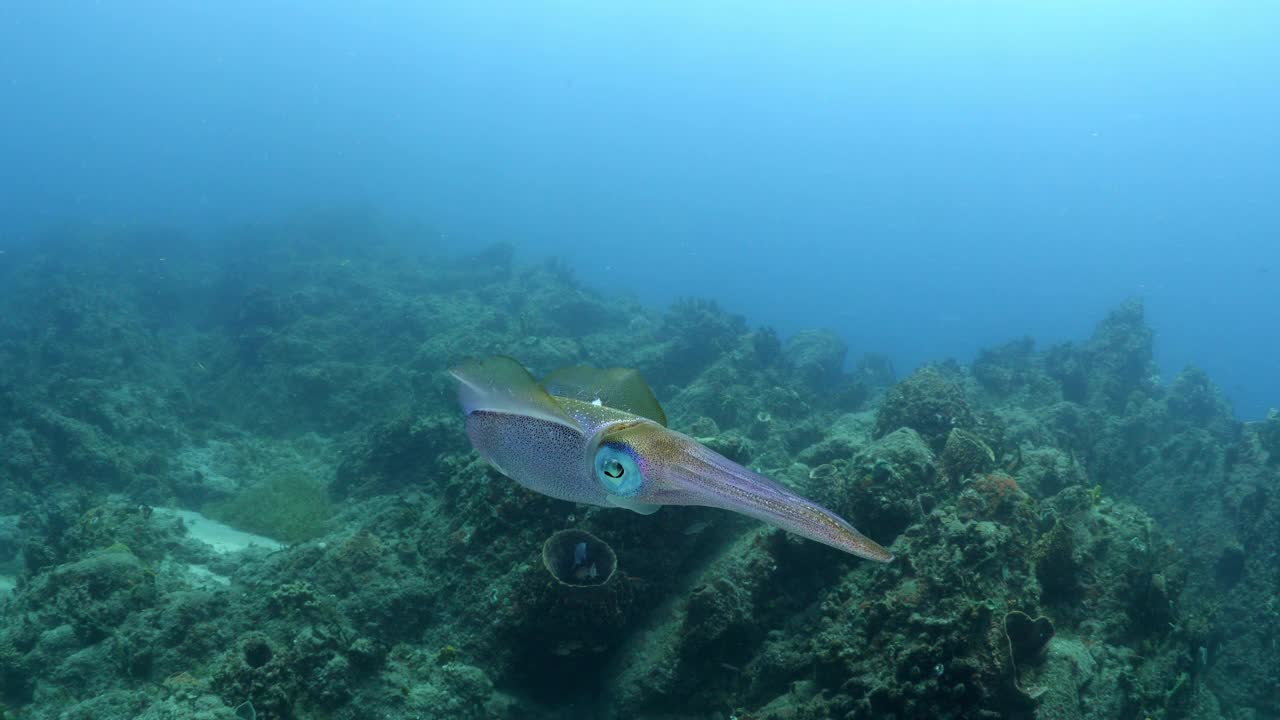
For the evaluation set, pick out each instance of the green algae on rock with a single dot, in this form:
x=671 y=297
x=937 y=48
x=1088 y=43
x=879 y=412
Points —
x=289 y=507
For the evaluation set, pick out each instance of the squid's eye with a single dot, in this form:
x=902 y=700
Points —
x=617 y=470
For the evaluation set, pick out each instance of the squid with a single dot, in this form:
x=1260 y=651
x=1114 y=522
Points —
x=600 y=437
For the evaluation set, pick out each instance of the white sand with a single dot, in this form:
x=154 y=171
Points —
x=7 y=584
x=222 y=538
x=202 y=575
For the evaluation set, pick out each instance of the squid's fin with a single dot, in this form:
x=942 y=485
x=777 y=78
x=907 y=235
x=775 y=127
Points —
x=618 y=388
x=500 y=384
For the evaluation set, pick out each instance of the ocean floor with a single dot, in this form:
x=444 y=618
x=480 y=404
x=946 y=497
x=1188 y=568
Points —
x=1074 y=537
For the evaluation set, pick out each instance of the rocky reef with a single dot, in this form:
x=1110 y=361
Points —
x=234 y=484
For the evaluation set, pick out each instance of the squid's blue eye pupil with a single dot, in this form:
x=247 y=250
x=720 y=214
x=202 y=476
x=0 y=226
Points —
x=613 y=469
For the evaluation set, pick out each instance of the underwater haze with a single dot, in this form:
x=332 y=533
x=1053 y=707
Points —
x=923 y=178
x=661 y=361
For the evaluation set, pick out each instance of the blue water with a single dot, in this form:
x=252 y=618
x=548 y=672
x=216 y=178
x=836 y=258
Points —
x=924 y=178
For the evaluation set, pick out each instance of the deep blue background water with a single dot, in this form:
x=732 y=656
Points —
x=924 y=178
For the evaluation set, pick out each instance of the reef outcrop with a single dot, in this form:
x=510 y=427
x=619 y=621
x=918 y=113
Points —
x=1075 y=536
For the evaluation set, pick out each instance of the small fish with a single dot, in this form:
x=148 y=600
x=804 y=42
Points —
x=697 y=527
x=586 y=572
x=579 y=554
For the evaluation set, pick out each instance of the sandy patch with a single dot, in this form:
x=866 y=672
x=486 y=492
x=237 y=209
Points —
x=221 y=537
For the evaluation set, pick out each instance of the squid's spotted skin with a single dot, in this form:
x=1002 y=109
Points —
x=600 y=437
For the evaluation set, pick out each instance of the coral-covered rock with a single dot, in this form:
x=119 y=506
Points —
x=875 y=371
x=816 y=358
x=879 y=489
x=1115 y=363
x=696 y=334
x=965 y=454
x=1269 y=436
x=928 y=403
x=396 y=454
x=1005 y=369
x=1059 y=565
x=1195 y=399
x=257 y=669
x=1044 y=472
